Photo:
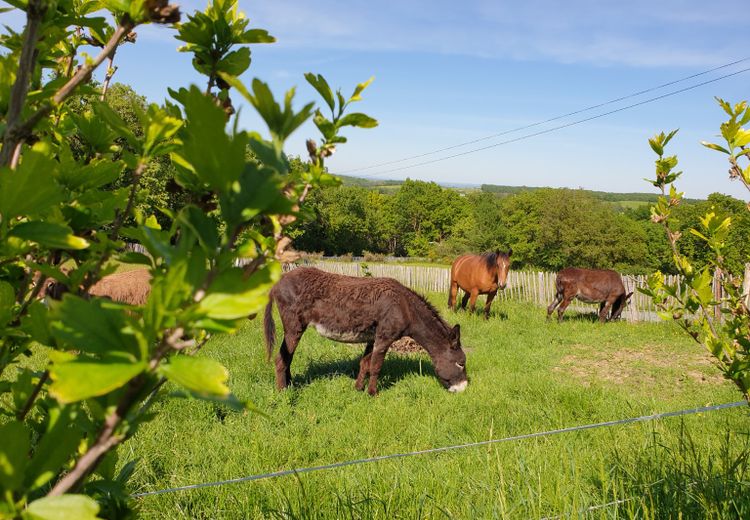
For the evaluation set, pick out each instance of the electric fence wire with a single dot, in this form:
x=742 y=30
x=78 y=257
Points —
x=298 y=471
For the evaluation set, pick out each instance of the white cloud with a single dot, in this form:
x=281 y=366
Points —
x=634 y=33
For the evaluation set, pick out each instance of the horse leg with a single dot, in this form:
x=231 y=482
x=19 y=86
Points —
x=561 y=309
x=376 y=363
x=490 y=297
x=285 y=356
x=473 y=300
x=364 y=367
x=464 y=300
x=452 y=295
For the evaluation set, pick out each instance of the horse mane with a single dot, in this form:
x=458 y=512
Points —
x=490 y=260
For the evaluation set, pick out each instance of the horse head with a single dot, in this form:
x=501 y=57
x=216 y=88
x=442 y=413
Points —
x=503 y=266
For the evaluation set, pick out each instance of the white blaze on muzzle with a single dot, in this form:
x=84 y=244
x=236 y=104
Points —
x=458 y=387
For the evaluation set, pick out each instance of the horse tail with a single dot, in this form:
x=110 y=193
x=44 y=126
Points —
x=269 y=327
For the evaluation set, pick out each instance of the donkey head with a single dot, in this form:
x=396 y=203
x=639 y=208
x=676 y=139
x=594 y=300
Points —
x=450 y=363
x=503 y=266
x=619 y=305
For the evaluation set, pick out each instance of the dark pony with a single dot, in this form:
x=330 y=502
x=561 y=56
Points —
x=374 y=311
x=601 y=286
x=479 y=274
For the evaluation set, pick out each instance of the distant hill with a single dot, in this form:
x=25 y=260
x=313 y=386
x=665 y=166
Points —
x=623 y=200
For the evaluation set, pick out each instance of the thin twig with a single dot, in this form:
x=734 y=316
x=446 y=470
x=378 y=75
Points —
x=16 y=133
x=27 y=61
x=21 y=415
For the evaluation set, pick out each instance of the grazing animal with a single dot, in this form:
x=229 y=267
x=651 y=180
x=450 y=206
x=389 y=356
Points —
x=131 y=287
x=479 y=274
x=601 y=286
x=374 y=311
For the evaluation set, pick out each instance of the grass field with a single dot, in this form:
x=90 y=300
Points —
x=526 y=375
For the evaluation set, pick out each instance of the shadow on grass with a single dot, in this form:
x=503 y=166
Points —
x=479 y=311
x=395 y=367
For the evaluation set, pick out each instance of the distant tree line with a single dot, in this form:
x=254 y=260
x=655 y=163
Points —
x=547 y=228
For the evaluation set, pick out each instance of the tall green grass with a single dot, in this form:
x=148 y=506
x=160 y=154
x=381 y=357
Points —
x=526 y=375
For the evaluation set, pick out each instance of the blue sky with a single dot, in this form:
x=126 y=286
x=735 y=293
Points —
x=449 y=72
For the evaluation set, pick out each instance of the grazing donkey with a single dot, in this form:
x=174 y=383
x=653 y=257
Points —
x=590 y=286
x=479 y=274
x=374 y=311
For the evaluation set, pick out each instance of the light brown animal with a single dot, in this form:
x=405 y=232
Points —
x=479 y=274
x=131 y=287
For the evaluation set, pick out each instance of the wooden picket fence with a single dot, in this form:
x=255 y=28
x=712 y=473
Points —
x=528 y=286
x=537 y=287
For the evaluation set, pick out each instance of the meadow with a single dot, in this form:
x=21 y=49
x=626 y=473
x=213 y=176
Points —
x=526 y=375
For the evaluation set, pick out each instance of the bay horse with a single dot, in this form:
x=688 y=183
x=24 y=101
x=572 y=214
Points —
x=374 y=311
x=601 y=286
x=479 y=274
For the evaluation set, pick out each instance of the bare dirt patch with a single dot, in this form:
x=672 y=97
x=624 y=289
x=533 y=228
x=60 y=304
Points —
x=406 y=345
x=642 y=366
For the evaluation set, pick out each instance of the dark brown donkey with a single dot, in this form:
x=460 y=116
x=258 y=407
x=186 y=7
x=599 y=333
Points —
x=479 y=274
x=375 y=311
x=590 y=286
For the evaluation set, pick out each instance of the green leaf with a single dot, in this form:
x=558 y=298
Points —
x=31 y=188
x=93 y=175
x=83 y=378
x=199 y=375
x=57 y=446
x=131 y=257
x=359 y=88
x=716 y=147
x=320 y=84
x=232 y=296
x=89 y=327
x=14 y=450
x=7 y=302
x=62 y=507
x=358 y=120
x=255 y=36
x=203 y=227
x=48 y=234
x=235 y=63
x=36 y=323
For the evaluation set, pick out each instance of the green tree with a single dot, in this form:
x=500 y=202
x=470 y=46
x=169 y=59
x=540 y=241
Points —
x=71 y=170
x=721 y=324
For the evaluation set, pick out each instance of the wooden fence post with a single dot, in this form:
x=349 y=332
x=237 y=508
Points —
x=746 y=285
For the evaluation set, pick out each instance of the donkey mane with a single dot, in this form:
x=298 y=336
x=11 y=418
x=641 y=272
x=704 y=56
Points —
x=435 y=314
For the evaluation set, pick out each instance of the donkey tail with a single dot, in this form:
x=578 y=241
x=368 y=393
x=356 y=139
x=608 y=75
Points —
x=269 y=327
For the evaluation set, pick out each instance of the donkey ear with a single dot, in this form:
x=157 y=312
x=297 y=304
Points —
x=497 y=251
x=456 y=335
x=627 y=296
x=510 y=251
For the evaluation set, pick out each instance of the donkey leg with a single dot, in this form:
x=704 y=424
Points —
x=376 y=363
x=555 y=303
x=488 y=303
x=604 y=310
x=364 y=367
x=464 y=300
x=285 y=356
x=562 y=307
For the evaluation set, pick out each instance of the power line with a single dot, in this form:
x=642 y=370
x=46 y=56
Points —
x=297 y=471
x=560 y=127
x=532 y=125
